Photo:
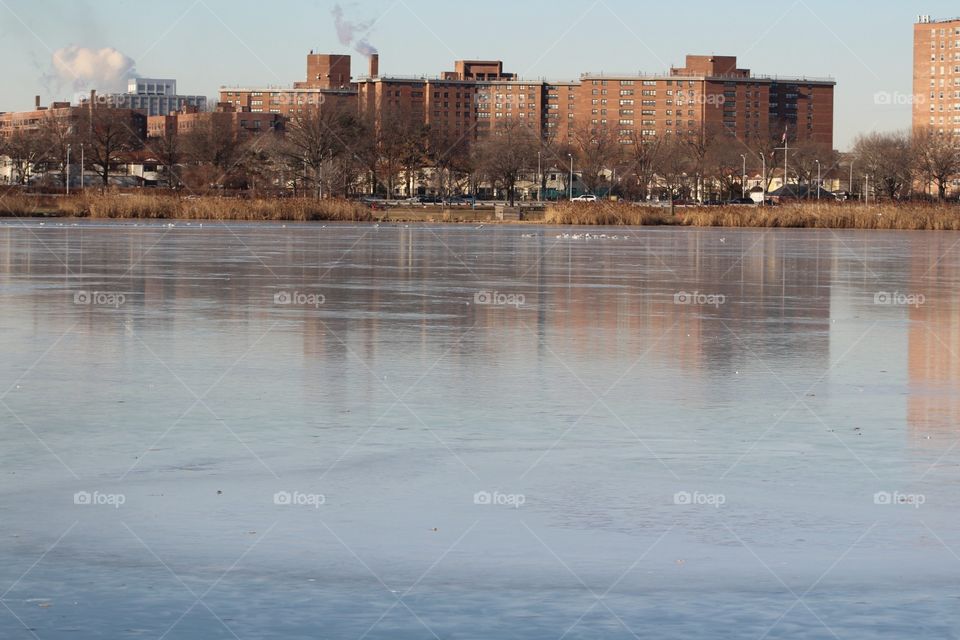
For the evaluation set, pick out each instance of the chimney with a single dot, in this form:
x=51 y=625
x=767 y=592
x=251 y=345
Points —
x=374 y=65
x=93 y=98
x=36 y=102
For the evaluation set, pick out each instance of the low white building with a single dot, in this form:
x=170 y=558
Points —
x=152 y=96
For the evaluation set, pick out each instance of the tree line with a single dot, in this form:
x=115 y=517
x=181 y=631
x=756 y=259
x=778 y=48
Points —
x=338 y=152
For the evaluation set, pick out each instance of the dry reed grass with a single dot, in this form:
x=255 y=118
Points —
x=908 y=216
x=793 y=216
x=165 y=207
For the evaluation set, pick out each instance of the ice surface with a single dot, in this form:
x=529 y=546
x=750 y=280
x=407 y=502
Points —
x=778 y=381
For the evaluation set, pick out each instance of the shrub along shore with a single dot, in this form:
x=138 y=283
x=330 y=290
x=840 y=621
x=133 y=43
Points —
x=911 y=216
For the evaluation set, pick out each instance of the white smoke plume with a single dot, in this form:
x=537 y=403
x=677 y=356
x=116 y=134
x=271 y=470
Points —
x=347 y=31
x=80 y=68
x=365 y=48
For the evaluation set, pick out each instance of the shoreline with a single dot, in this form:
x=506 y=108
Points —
x=883 y=216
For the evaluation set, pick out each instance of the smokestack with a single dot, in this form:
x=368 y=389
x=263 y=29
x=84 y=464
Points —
x=93 y=98
x=374 y=65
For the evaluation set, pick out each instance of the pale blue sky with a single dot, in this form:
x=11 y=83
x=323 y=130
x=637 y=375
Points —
x=866 y=46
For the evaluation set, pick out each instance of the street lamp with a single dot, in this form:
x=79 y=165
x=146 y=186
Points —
x=818 y=178
x=82 y=168
x=571 y=175
x=851 y=177
x=539 y=177
x=743 y=178
x=68 y=169
x=763 y=185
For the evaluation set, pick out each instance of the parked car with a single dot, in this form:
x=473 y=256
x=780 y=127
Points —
x=585 y=198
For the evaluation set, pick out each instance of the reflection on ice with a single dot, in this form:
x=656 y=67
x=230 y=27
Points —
x=501 y=422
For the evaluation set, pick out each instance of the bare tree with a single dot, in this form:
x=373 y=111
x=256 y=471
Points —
x=58 y=136
x=26 y=151
x=107 y=134
x=320 y=135
x=449 y=154
x=763 y=149
x=676 y=168
x=888 y=159
x=697 y=145
x=170 y=153
x=598 y=151
x=643 y=158
x=805 y=159
x=366 y=153
x=937 y=159
x=509 y=151
x=400 y=140
x=555 y=153
x=214 y=144
x=723 y=166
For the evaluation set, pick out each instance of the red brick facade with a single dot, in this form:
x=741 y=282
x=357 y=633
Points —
x=710 y=91
x=936 y=75
x=226 y=118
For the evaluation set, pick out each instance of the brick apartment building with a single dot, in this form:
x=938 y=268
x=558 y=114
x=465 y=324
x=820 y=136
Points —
x=328 y=83
x=32 y=122
x=936 y=74
x=708 y=92
x=224 y=118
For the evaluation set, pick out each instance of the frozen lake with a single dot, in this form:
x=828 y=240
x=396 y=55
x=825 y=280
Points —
x=309 y=431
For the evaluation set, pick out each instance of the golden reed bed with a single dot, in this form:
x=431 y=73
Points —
x=201 y=208
x=794 y=216
x=914 y=216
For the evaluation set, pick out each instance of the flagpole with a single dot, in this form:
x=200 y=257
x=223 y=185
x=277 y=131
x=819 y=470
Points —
x=786 y=155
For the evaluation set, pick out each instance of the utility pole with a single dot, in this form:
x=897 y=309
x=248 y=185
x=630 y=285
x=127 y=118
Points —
x=818 y=179
x=786 y=155
x=539 y=177
x=68 y=170
x=743 y=178
x=851 y=178
x=571 y=175
x=763 y=159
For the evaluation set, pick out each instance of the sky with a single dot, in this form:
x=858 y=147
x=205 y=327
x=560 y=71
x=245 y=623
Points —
x=205 y=44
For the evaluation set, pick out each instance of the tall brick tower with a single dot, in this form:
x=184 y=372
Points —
x=936 y=74
x=326 y=71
